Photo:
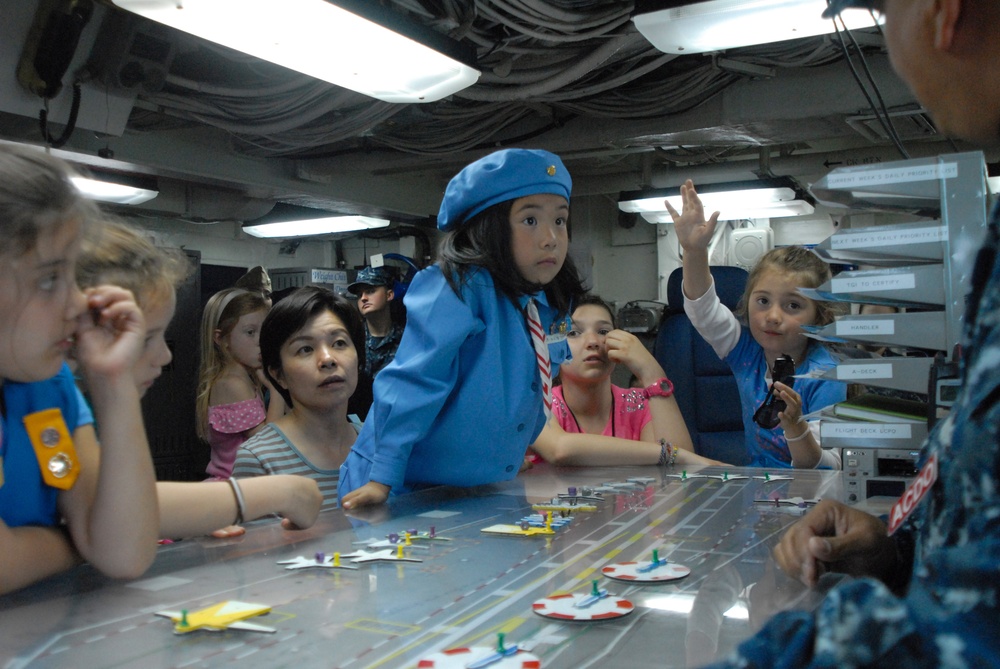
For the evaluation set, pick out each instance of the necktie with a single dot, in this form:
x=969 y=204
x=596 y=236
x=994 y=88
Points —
x=541 y=354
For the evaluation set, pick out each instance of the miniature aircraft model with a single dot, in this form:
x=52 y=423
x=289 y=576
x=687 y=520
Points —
x=767 y=478
x=656 y=571
x=386 y=555
x=321 y=561
x=219 y=617
x=790 y=501
x=587 y=494
x=726 y=476
x=684 y=476
x=430 y=535
x=523 y=529
x=480 y=657
x=596 y=605
x=544 y=519
x=563 y=506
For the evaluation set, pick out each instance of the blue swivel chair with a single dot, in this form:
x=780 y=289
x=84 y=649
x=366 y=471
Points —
x=704 y=385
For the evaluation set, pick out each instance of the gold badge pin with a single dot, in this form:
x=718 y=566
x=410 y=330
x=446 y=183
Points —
x=551 y=170
x=54 y=448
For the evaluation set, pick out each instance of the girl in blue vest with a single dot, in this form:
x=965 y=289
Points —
x=465 y=395
x=775 y=310
x=63 y=499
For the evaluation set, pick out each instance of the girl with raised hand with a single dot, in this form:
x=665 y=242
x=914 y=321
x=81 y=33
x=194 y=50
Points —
x=775 y=311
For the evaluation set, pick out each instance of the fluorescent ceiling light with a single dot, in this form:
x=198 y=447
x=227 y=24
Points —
x=764 y=198
x=291 y=221
x=697 y=26
x=116 y=193
x=326 y=41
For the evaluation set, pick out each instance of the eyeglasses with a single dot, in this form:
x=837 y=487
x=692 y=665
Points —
x=835 y=7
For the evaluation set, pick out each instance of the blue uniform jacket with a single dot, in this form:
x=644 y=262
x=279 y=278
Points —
x=461 y=401
x=24 y=497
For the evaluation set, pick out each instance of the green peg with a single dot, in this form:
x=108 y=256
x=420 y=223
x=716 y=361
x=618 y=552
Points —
x=656 y=556
x=594 y=589
x=725 y=476
x=684 y=474
x=184 y=618
x=500 y=648
x=767 y=477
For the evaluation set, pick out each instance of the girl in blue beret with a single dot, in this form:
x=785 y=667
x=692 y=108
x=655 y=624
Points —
x=470 y=387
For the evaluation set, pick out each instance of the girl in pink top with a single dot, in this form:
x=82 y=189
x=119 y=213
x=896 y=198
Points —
x=230 y=403
x=597 y=423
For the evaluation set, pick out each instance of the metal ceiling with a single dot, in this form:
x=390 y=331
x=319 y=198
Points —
x=574 y=77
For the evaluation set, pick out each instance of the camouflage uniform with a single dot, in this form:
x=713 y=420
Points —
x=379 y=351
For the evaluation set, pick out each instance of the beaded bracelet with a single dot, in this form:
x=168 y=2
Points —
x=668 y=454
x=240 y=504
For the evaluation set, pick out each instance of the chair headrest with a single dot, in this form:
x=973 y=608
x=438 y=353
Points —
x=729 y=284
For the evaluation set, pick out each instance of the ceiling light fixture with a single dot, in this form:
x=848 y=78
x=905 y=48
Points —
x=287 y=220
x=355 y=44
x=776 y=197
x=117 y=188
x=697 y=26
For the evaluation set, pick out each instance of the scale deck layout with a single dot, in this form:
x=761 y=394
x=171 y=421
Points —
x=460 y=591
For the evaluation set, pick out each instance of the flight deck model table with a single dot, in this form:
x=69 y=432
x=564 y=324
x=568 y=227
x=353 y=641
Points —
x=458 y=586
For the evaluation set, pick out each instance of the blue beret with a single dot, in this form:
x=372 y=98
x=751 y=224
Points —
x=370 y=276
x=498 y=177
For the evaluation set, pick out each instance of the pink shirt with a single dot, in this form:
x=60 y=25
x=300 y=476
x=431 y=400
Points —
x=629 y=414
x=227 y=426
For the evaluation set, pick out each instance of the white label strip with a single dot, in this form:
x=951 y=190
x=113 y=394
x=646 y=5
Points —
x=898 y=175
x=869 y=239
x=880 y=327
x=328 y=276
x=865 y=430
x=868 y=284
x=851 y=372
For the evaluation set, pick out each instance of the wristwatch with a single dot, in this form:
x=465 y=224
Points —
x=659 y=388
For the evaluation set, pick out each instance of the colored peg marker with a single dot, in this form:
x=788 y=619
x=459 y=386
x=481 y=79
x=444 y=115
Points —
x=500 y=654
x=654 y=564
x=596 y=594
x=336 y=559
x=399 y=550
x=184 y=618
x=320 y=557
